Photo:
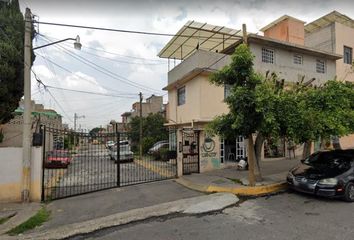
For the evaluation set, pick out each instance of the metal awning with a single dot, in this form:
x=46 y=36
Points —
x=195 y=35
x=328 y=19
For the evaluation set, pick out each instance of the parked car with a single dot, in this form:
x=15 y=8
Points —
x=110 y=144
x=125 y=154
x=157 y=146
x=159 y=149
x=57 y=159
x=328 y=174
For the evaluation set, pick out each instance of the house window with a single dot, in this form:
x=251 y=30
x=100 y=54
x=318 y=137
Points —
x=172 y=140
x=268 y=55
x=297 y=59
x=227 y=90
x=320 y=66
x=181 y=96
x=348 y=55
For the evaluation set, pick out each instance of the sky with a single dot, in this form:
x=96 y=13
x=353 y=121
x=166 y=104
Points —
x=120 y=65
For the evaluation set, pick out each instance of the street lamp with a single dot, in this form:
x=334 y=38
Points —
x=77 y=44
x=26 y=140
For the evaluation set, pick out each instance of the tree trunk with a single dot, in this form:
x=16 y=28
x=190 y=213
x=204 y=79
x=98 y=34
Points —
x=258 y=155
x=251 y=161
x=336 y=143
x=307 y=149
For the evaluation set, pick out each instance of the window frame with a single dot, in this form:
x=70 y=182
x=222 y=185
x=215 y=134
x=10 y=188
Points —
x=296 y=57
x=179 y=100
x=345 y=60
x=266 y=50
x=324 y=66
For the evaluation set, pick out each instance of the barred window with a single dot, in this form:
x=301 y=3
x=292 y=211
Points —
x=268 y=55
x=348 y=55
x=320 y=66
x=297 y=59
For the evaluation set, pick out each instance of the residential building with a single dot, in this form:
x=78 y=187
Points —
x=194 y=101
x=153 y=104
x=13 y=129
x=334 y=33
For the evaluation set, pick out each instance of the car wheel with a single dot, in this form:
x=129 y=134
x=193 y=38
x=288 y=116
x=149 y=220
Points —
x=349 y=192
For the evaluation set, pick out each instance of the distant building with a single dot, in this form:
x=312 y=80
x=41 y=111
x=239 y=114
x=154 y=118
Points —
x=12 y=130
x=153 y=104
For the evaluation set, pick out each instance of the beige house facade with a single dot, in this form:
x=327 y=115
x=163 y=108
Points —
x=334 y=33
x=194 y=101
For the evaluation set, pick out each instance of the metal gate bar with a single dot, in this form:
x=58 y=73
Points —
x=75 y=163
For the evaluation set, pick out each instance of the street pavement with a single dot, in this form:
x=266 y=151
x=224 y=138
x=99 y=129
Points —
x=103 y=203
x=284 y=216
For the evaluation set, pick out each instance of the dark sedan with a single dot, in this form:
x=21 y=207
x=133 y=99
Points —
x=328 y=174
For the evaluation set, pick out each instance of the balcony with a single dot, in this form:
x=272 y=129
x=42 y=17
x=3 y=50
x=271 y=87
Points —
x=200 y=60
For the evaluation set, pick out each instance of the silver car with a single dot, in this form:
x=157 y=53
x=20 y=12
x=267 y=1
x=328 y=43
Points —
x=125 y=154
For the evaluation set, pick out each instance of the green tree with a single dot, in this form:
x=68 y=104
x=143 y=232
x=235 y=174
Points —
x=244 y=117
x=153 y=131
x=265 y=107
x=11 y=58
x=94 y=131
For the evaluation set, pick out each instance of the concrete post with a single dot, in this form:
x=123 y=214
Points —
x=27 y=125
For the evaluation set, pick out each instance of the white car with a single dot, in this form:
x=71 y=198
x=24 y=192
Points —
x=125 y=154
x=110 y=144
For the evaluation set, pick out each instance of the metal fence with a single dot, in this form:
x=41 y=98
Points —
x=77 y=162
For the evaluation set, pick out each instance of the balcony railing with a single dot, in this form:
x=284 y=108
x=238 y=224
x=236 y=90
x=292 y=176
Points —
x=200 y=59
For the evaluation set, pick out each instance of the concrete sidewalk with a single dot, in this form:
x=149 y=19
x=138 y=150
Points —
x=235 y=181
x=15 y=214
x=188 y=206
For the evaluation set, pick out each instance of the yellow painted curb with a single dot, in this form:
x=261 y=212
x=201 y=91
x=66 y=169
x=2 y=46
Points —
x=242 y=191
x=155 y=168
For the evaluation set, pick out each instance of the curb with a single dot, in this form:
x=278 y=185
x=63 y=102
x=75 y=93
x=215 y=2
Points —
x=241 y=191
x=196 y=205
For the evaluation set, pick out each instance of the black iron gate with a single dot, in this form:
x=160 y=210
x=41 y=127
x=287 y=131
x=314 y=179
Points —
x=190 y=151
x=75 y=163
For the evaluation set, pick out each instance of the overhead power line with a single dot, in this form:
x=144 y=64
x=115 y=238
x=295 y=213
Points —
x=106 y=71
x=131 y=31
x=67 y=70
x=105 y=51
x=88 y=92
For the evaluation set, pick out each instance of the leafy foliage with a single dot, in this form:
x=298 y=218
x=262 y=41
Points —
x=95 y=131
x=262 y=104
x=153 y=131
x=11 y=58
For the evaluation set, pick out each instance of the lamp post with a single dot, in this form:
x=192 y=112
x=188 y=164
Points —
x=27 y=124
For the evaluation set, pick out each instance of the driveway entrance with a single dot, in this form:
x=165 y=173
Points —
x=75 y=163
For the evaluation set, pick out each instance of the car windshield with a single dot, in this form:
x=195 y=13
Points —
x=329 y=160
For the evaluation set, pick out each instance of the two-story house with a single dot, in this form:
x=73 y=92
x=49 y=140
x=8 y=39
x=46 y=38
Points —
x=194 y=101
x=334 y=33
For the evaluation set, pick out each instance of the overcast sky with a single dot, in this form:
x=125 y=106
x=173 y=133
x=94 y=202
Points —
x=134 y=65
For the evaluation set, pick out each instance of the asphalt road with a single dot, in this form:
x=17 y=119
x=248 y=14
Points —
x=284 y=216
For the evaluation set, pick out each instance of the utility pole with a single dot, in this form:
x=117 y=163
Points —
x=75 y=120
x=27 y=125
x=141 y=126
